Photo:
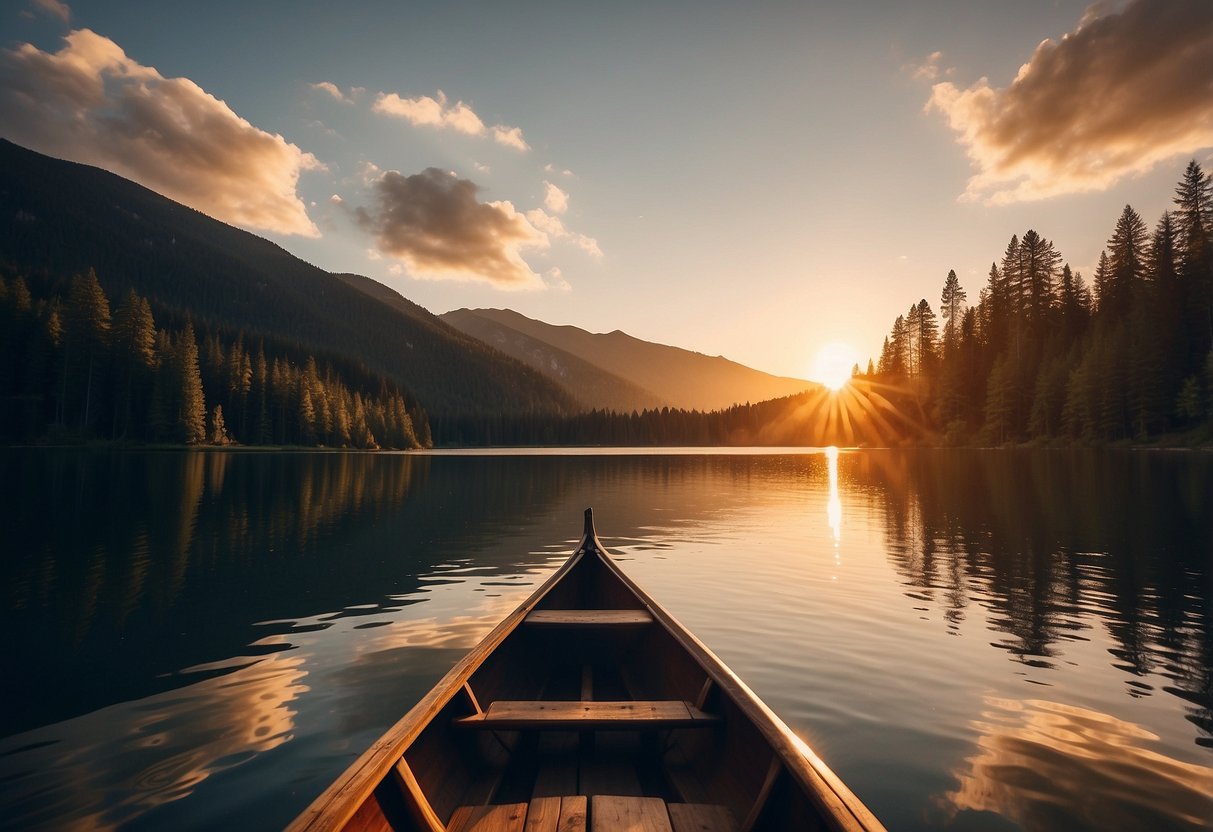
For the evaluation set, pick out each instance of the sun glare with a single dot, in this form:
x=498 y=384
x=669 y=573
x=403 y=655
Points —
x=833 y=364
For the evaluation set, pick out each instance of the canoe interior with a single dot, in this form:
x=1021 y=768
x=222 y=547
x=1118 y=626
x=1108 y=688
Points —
x=507 y=730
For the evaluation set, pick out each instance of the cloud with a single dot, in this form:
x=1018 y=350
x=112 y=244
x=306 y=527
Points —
x=434 y=224
x=510 y=137
x=556 y=200
x=55 y=8
x=333 y=90
x=481 y=168
x=91 y=103
x=1126 y=90
x=555 y=228
x=426 y=111
x=928 y=69
x=554 y=278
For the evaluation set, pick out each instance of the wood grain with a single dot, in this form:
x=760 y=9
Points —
x=609 y=813
x=585 y=716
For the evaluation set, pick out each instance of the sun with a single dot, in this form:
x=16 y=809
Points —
x=833 y=364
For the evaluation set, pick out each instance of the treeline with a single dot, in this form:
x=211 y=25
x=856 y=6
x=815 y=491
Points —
x=854 y=416
x=74 y=368
x=1041 y=355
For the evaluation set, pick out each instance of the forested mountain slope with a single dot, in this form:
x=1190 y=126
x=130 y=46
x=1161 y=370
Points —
x=61 y=218
x=592 y=386
x=685 y=379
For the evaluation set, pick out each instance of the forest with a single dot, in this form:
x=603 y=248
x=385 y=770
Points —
x=1042 y=355
x=73 y=368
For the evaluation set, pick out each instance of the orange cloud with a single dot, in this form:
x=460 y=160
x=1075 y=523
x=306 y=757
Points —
x=91 y=103
x=427 y=111
x=433 y=222
x=332 y=89
x=1124 y=91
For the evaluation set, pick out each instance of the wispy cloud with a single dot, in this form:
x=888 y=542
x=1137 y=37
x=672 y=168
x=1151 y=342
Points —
x=333 y=90
x=1124 y=91
x=510 y=137
x=55 y=8
x=555 y=228
x=436 y=111
x=91 y=103
x=556 y=200
x=930 y=69
x=433 y=222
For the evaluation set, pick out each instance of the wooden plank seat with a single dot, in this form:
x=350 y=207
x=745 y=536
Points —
x=589 y=716
x=588 y=619
x=604 y=813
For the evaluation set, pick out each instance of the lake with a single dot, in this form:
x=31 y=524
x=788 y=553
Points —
x=970 y=639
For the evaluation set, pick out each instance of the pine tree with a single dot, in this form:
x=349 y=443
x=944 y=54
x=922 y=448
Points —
x=1126 y=262
x=217 y=434
x=134 y=355
x=951 y=306
x=86 y=328
x=1075 y=304
x=1038 y=263
x=191 y=404
x=899 y=354
x=926 y=336
x=1194 y=218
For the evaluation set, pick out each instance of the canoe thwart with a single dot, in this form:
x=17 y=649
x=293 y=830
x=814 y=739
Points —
x=571 y=619
x=583 y=716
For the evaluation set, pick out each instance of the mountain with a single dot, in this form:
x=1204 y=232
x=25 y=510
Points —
x=590 y=385
x=59 y=218
x=671 y=375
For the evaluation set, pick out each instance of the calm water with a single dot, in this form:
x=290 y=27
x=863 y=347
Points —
x=972 y=640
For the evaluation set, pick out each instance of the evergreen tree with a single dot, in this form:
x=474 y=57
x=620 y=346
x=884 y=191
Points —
x=134 y=358
x=1194 y=215
x=1126 y=262
x=899 y=353
x=951 y=306
x=86 y=328
x=926 y=336
x=191 y=404
x=1038 y=264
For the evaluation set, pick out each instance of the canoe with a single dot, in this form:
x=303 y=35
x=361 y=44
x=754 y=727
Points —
x=588 y=708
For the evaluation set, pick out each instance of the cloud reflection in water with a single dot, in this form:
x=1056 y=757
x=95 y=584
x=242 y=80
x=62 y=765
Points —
x=108 y=767
x=1046 y=765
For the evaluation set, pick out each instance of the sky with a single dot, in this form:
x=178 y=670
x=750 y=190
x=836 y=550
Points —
x=756 y=180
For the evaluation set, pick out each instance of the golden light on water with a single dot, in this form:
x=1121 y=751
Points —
x=834 y=503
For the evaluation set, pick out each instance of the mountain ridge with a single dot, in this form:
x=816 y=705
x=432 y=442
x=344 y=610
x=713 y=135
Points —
x=61 y=218
x=677 y=376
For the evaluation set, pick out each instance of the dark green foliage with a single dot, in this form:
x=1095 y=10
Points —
x=1040 y=357
x=162 y=387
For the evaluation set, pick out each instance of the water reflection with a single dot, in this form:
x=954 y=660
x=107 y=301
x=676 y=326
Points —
x=1056 y=543
x=189 y=634
x=1046 y=765
x=834 y=502
x=107 y=768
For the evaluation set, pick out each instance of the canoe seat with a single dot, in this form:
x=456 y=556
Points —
x=579 y=619
x=604 y=813
x=587 y=716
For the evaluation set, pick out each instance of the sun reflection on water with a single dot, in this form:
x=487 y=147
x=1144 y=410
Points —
x=834 y=503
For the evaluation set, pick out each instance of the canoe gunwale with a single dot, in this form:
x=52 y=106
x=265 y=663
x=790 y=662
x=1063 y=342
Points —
x=816 y=778
x=338 y=803
x=836 y=803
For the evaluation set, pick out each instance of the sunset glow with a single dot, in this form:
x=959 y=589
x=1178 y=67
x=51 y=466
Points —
x=833 y=364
